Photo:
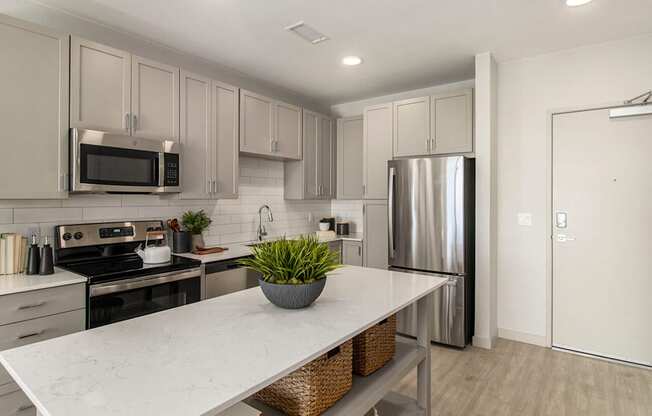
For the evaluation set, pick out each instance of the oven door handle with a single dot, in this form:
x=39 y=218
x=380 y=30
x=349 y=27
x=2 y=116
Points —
x=145 y=281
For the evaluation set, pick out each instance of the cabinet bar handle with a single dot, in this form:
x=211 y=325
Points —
x=127 y=122
x=359 y=251
x=33 y=334
x=24 y=407
x=135 y=124
x=33 y=305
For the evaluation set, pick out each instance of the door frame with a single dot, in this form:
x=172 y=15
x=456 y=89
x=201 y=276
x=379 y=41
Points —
x=549 y=191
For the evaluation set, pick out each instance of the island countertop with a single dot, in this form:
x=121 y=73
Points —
x=202 y=358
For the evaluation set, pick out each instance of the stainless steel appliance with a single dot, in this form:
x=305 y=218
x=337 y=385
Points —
x=228 y=276
x=103 y=162
x=431 y=230
x=119 y=285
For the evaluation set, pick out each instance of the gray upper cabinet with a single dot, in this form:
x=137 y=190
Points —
x=225 y=137
x=100 y=87
x=209 y=136
x=256 y=123
x=452 y=122
x=377 y=150
x=196 y=137
x=154 y=99
x=412 y=127
x=269 y=128
x=287 y=131
x=114 y=91
x=349 y=158
x=33 y=111
x=312 y=177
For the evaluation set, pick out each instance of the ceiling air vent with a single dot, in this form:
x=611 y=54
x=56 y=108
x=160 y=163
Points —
x=307 y=33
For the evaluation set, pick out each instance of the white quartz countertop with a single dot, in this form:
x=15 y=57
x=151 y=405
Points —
x=235 y=251
x=202 y=358
x=16 y=283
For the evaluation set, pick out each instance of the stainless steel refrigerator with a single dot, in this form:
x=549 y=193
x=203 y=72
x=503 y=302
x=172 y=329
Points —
x=431 y=231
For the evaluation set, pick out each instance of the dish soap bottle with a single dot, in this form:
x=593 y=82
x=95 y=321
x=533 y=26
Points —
x=33 y=257
x=47 y=261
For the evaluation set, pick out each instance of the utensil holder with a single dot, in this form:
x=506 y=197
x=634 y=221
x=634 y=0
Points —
x=181 y=242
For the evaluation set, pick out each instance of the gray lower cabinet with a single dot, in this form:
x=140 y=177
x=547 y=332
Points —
x=336 y=247
x=349 y=158
x=33 y=111
x=313 y=177
x=375 y=244
x=352 y=253
x=224 y=277
x=34 y=316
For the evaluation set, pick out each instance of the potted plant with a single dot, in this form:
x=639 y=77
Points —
x=196 y=222
x=293 y=272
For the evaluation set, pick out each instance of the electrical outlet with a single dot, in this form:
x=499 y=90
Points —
x=525 y=219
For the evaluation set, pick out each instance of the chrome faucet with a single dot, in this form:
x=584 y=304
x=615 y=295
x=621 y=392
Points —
x=262 y=232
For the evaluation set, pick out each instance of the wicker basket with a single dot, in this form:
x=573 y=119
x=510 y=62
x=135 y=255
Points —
x=374 y=347
x=313 y=388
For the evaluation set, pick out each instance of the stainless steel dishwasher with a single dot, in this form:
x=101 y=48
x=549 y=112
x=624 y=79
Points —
x=224 y=277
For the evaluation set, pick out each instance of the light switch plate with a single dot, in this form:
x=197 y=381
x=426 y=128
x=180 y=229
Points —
x=525 y=219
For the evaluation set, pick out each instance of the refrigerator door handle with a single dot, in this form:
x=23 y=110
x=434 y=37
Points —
x=390 y=210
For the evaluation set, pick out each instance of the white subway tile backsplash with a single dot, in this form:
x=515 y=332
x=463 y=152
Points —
x=30 y=215
x=234 y=220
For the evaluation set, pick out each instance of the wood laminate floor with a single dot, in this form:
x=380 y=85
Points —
x=525 y=380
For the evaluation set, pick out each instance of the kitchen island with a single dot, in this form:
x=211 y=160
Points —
x=202 y=358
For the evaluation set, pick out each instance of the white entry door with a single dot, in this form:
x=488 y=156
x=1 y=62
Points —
x=602 y=235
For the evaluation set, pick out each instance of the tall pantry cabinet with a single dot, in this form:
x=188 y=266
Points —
x=34 y=73
x=114 y=91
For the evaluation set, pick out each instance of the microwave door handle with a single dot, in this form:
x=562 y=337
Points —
x=160 y=166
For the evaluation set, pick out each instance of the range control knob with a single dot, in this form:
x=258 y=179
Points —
x=66 y=236
x=79 y=235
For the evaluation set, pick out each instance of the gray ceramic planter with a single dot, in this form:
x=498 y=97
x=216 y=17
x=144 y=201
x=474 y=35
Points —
x=292 y=296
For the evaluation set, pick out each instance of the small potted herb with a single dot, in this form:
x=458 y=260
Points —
x=196 y=223
x=293 y=272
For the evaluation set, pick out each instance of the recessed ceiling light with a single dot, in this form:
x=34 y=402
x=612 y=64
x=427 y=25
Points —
x=575 y=3
x=351 y=60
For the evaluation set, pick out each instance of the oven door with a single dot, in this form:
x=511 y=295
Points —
x=104 y=162
x=116 y=301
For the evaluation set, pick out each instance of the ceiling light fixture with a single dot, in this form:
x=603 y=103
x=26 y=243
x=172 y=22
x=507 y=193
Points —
x=306 y=32
x=351 y=60
x=575 y=3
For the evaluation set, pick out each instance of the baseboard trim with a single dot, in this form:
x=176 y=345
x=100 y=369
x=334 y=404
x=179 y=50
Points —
x=484 y=342
x=539 y=340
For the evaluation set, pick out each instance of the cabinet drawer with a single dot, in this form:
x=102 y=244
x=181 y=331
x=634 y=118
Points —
x=34 y=304
x=13 y=402
x=35 y=330
x=352 y=253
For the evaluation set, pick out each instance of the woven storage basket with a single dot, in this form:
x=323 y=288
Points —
x=374 y=347
x=313 y=388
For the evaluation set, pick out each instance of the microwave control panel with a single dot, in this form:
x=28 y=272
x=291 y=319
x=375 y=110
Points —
x=171 y=161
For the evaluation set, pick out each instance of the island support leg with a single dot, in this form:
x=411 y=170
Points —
x=425 y=313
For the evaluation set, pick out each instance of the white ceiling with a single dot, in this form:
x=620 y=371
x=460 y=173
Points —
x=405 y=44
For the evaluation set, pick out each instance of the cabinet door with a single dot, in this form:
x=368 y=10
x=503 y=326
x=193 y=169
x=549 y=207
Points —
x=100 y=85
x=452 y=121
x=154 y=100
x=310 y=154
x=352 y=253
x=33 y=111
x=287 y=131
x=377 y=150
x=349 y=158
x=375 y=235
x=255 y=123
x=196 y=140
x=325 y=157
x=225 y=138
x=412 y=127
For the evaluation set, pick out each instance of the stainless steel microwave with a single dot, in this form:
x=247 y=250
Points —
x=103 y=162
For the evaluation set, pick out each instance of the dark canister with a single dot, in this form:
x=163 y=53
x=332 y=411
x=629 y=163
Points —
x=343 y=228
x=181 y=242
x=47 y=260
x=33 y=257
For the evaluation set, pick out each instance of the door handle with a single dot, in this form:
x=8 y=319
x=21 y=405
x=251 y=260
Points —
x=33 y=334
x=33 y=305
x=390 y=210
x=562 y=238
x=428 y=144
x=127 y=122
x=135 y=123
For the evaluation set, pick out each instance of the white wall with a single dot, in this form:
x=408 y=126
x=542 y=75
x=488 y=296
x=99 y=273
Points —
x=261 y=182
x=527 y=90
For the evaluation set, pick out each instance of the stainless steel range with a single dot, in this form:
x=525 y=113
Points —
x=119 y=285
